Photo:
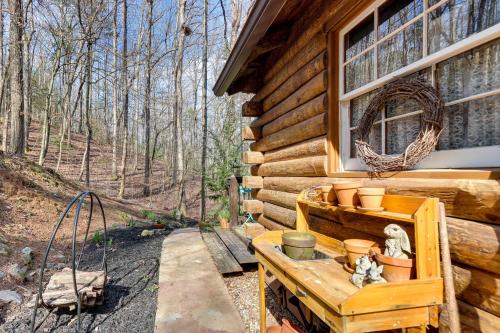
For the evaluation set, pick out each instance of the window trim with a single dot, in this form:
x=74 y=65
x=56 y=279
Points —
x=483 y=156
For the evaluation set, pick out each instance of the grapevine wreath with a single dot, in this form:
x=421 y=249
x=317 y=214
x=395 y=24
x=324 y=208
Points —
x=429 y=100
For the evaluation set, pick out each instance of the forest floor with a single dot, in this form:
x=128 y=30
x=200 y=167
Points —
x=33 y=197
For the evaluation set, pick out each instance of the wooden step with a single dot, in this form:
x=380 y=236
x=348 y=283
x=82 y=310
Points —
x=240 y=250
x=223 y=258
x=192 y=296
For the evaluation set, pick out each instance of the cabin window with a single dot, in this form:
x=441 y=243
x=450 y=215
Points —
x=455 y=45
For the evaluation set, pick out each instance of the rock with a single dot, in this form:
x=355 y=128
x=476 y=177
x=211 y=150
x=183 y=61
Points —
x=8 y=296
x=18 y=272
x=4 y=249
x=147 y=233
x=27 y=256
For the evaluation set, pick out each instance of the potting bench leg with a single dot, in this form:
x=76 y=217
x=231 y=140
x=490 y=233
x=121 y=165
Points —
x=262 y=299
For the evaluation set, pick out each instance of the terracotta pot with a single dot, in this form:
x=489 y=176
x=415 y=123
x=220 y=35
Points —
x=224 y=223
x=347 y=193
x=158 y=226
x=371 y=197
x=298 y=245
x=288 y=327
x=396 y=269
x=328 y=194
x=357 y=248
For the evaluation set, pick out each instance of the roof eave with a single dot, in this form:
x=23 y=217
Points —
x=261 y=17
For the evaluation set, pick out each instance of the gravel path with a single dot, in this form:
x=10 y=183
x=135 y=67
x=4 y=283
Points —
x=244 y=289
x=130 y=295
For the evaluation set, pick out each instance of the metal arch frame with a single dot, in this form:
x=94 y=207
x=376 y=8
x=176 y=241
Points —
x=80 y=198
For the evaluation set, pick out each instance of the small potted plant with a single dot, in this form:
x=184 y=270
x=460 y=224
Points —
x=371 y=198
x=223 y=217
x=347 y=194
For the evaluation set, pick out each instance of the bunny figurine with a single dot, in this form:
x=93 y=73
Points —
x=363 y=266
x=397 y=244
x=374 y=274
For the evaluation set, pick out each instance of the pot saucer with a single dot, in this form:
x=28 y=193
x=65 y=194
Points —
x=345 y=206
x=347 y=268
x=378 y=209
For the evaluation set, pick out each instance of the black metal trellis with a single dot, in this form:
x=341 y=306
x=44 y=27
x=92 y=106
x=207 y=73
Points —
x=79 y=200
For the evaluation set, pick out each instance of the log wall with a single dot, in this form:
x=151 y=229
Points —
x=292 y=147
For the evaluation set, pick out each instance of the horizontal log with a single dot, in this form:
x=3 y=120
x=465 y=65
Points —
x=251 y=109
x=283 y=199
x=463 y=198
x=472 y=320
x=307 y=166
x=252 y=182
x=294 y=82
x=279 y=214
x=253 y=157
x=251 y=133
x=313 y=147
x=317 y=45
x=253 y=206
x=270 y=224
x=305 y=111
x=310 y=128
x=478 y=288
x=308 y=91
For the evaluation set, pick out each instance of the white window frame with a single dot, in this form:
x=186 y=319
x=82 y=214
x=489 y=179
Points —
x=482 y=157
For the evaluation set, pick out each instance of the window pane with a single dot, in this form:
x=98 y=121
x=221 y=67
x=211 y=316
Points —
x=398 y=108
x=471 y=124
x=375 y=140
x=359 y=38
x=458 y=19
x=358 y=107
x=359 y=72
x=470 y=73
x=400 y=133
x=400 y=50
x=393 y=14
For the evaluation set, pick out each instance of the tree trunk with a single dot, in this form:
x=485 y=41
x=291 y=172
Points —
x=115 y=90
x=204 y=120
x=16 y=77
x=87 y=114
x=147 y=102
x=125 y=102
x=27 y=74
x=178 y=175
x=3 y=77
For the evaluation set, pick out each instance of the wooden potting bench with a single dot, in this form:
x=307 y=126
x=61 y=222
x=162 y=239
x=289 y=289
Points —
x=323 y=285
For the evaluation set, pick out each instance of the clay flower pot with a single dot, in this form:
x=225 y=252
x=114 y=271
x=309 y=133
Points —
x=347 y=193
x=224 y=223
x=357 y=248
x=396 y=269
x=298 y=245
x=273 y=329
x=328 y=194
x=371 y=197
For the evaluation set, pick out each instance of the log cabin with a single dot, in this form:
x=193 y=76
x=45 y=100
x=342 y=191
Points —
x=313 y=66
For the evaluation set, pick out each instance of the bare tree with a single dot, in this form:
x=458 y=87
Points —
x=3 y=77
x=147 y=101
x=204 y=112
x=125 y=85
x=16 y=77
x=114 y=137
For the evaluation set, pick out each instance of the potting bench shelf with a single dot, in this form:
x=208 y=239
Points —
x=324 y=287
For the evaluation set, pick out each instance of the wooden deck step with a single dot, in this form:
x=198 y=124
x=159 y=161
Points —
x=239 y=250
x=192 y=297
x=223 y=258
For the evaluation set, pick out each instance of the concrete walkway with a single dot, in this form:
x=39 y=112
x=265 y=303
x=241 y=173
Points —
x=192 y=296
